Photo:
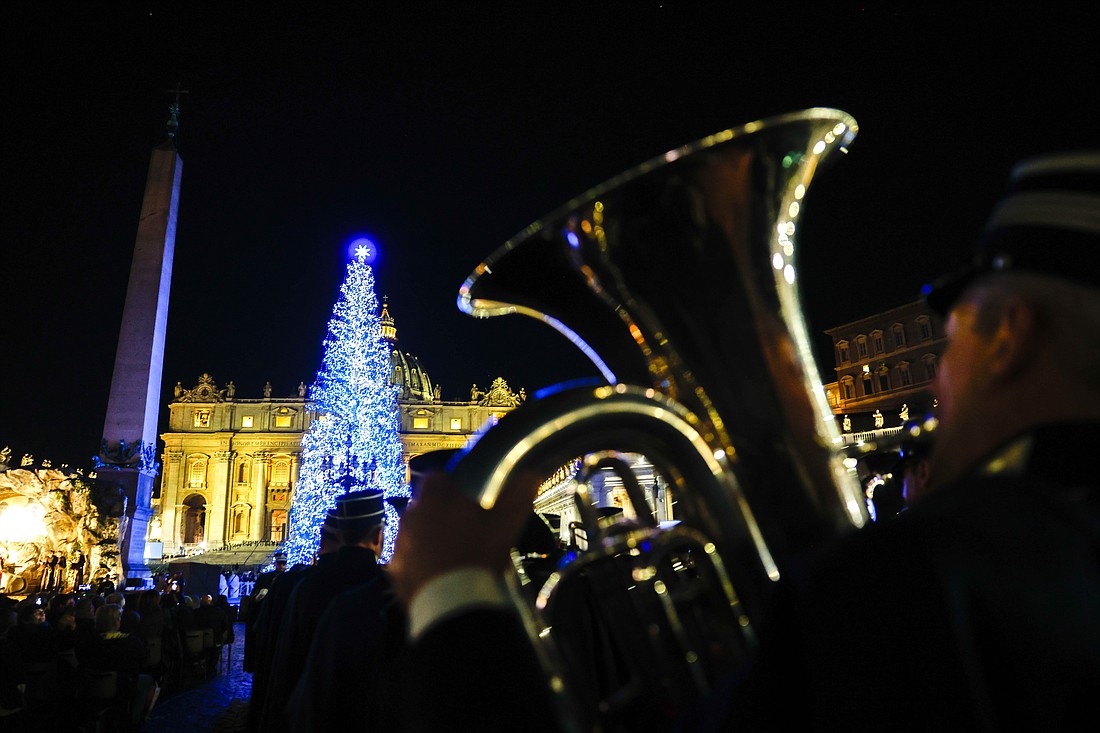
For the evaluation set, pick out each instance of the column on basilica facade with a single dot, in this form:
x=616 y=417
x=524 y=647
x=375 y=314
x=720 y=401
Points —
x=179 y=526
x=171 y=478
x=220 y=493
x=261 y=475
x=295 y=464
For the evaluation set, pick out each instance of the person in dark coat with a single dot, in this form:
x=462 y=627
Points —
x=11 y=662
x=269 y=620
x=351 y=673
x=151 y=625
x=209 y=616
x=230 y=612
x=36 y=639
x=126 y=655
x=990 y=584
x=360 y=520
x=351 y=676
x=255 y=602
x=112 y=648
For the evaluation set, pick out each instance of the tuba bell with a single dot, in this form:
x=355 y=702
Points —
x=679 y=279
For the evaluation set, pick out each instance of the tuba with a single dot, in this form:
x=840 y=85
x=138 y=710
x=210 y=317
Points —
x=679 y=279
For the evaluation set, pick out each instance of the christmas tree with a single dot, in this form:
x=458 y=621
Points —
x=353 y=442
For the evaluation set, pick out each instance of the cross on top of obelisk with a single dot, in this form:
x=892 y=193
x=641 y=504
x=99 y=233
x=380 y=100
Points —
x=174 y=111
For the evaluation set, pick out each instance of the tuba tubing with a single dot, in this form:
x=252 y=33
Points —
x=680 y=280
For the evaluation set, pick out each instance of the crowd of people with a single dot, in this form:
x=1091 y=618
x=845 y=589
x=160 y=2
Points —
x=99 y=659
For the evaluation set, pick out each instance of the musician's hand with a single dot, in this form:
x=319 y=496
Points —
x=444 y=530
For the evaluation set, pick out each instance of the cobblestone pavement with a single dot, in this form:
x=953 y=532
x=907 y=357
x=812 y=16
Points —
x=217 y=705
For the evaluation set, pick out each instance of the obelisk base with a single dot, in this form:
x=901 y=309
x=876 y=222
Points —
x=138 y=486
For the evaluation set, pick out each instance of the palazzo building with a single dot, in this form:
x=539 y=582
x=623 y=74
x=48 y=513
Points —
x=884 y=364
x=230 y=462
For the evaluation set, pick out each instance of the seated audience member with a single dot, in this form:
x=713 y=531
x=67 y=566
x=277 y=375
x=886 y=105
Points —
x=976 y=609
x=230 y=612
x=130 y=617
x=112 y=648
x=151 y=624
x=209 y=616
x=56 y=606
x=11 y=663
x=125 y=654
x=184 y=614
x=36 y=640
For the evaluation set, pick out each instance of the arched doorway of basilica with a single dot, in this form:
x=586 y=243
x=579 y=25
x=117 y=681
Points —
x=193 y=521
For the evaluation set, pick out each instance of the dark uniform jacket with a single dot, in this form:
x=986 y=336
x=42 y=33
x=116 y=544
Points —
x=978 y=609
x=265 y=634
x=350 y=676
x=255 y=603
x=308 y=600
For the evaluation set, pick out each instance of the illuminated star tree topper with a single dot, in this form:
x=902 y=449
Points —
x=353 y=443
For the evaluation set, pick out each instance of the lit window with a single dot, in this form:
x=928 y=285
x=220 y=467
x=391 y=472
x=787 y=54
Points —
x=930 y=366
x=246 y=421
x=925 y=328
x=282 y=421
x=196 y=475
x=240 y=520
x=420 y=423
x=202 y=418
x=899 y=336
x=456 y=423
x=876 y=342
x=278 y=525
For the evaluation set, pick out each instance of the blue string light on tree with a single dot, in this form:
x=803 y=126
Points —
x=353 y=442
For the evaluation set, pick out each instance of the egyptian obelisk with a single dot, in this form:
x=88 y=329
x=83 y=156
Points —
x=129 y=445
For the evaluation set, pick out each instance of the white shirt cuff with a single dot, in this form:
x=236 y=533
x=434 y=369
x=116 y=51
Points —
x=451 y=592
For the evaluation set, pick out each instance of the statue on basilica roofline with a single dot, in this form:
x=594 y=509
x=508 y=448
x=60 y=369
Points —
x=205 y=391
x=498 y=395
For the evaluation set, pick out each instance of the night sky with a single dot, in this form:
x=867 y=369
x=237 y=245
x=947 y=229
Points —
x=442 y=129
